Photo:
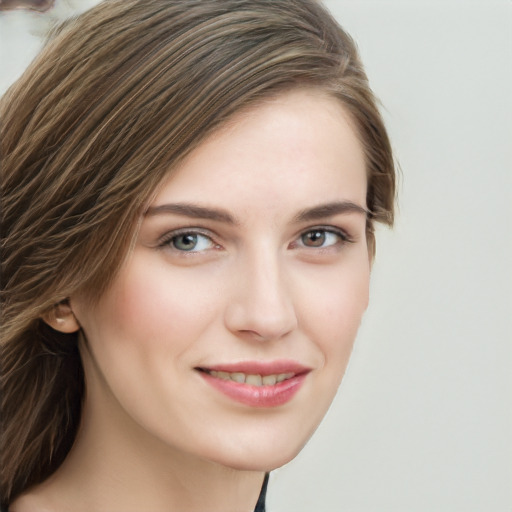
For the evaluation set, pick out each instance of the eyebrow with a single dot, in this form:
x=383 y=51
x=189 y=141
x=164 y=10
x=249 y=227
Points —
x=216 y=214
x=192 y=211
x=328 y=210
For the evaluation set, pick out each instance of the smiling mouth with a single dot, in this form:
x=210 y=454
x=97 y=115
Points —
x=259 y=384
x=250 y=379
x=258 y=390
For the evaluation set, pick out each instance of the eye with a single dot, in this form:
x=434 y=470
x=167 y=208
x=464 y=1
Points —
x=189 y=241
x=321 y=238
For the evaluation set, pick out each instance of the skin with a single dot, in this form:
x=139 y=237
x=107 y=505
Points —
x=255 y=289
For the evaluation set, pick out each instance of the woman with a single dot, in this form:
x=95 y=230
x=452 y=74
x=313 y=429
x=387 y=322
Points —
x=189 y=197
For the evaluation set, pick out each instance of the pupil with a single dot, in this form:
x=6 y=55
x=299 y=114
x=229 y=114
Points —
x=185 y=242
x=314 y=238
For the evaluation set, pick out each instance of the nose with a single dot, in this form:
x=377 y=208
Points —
x=261 y=305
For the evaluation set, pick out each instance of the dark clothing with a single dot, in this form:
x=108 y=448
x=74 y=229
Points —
x=260 y=506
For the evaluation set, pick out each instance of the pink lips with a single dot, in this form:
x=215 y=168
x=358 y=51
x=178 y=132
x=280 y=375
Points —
x=265 y=395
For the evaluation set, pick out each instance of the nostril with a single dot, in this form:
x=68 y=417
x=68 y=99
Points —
x=253 y=334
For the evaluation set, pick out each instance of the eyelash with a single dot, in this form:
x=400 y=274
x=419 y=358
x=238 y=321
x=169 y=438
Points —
x=168 y=240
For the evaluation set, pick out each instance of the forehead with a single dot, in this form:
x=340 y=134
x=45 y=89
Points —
x=297 y=147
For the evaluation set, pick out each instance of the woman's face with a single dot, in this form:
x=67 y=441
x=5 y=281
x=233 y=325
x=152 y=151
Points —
x=228 y=329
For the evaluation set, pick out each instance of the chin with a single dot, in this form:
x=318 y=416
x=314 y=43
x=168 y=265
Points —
x=264 y=463
x=260 y=456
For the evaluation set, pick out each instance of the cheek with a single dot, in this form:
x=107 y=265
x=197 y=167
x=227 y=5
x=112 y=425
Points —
x=159 y=307
x=142 y=332
x=142 y=335
x=334 y=301
x=335 y=310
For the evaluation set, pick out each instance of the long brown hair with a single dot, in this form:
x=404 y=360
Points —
x=115 y=100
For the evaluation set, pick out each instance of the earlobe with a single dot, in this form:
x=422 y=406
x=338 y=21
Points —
x=62 y=318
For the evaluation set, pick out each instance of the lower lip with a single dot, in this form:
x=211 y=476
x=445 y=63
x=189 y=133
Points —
x=257 y=396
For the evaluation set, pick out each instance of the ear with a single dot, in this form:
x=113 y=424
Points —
x=61 y=318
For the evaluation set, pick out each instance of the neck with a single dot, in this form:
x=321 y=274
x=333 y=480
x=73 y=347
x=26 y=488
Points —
x=115 y=482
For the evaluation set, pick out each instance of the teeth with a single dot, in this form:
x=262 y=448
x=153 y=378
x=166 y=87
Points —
x=251 y=380
x=238 y=377
x=269 y=380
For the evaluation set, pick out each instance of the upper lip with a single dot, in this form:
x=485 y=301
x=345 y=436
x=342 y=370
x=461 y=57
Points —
x=259 y=367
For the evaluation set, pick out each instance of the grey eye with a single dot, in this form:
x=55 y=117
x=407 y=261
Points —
x=185 y=242
x=191 y=242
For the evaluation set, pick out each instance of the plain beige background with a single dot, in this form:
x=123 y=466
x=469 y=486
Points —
x=423 y=420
